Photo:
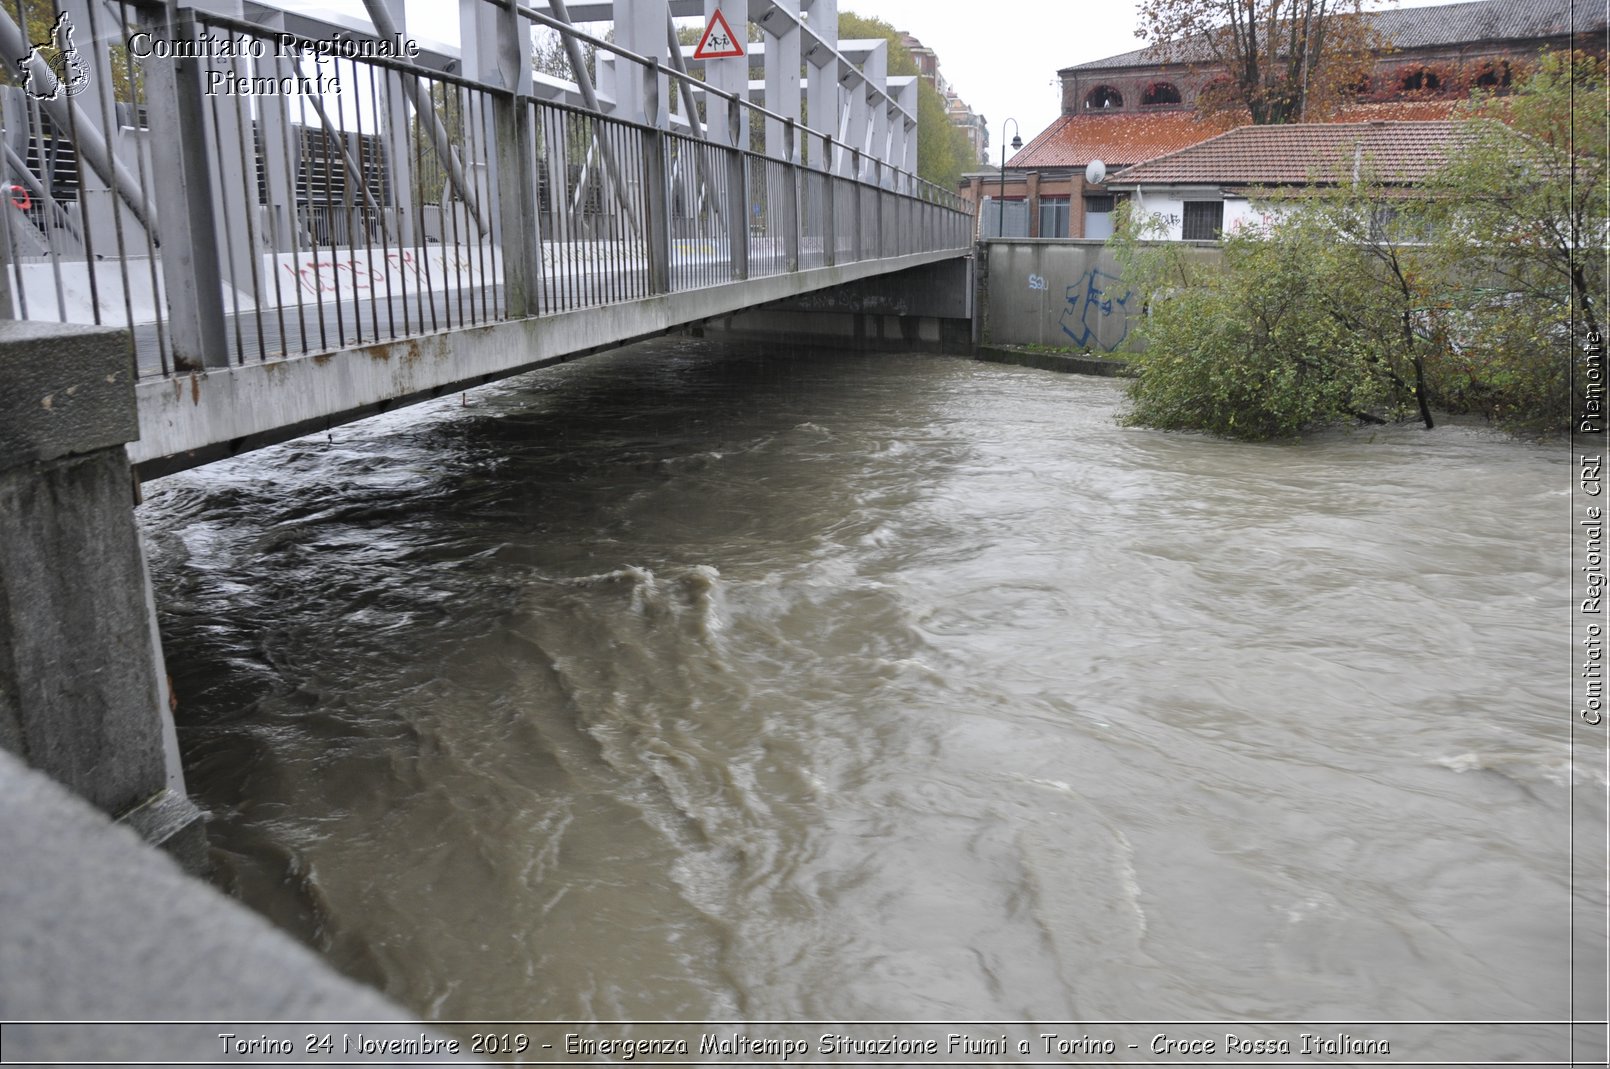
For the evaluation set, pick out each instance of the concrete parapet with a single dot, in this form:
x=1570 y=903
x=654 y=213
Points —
x=82 y=691
x=101 y=929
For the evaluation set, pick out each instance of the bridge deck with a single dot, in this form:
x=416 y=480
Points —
x=194 y=417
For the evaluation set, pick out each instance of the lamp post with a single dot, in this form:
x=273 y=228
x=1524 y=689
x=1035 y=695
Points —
x=1017 y=143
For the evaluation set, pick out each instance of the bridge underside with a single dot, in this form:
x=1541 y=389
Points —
x=191 y=419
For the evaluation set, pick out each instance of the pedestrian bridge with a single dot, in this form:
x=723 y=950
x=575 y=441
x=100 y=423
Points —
x=303 y=218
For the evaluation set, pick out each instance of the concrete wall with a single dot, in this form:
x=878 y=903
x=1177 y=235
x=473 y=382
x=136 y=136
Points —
x=1060 y=294
x=1064 y=294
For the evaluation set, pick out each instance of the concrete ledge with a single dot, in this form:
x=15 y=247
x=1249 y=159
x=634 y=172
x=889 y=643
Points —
x=1065 y=362
x=99 y=927
x=69 y=390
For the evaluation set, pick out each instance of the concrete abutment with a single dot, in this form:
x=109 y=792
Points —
x=83 y=693
x=929 y=307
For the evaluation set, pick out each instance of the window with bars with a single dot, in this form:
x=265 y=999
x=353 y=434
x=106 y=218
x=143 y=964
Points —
x=1203 y=220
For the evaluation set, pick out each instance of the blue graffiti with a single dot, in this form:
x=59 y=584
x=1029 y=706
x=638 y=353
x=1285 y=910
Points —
x=1088 y=303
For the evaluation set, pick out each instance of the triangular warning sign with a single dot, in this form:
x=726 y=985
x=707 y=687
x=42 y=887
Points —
x=718 y=42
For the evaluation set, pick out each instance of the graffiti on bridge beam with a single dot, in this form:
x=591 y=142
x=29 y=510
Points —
x=1090 y=301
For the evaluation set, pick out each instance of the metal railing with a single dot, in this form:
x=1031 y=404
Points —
x=268 y=203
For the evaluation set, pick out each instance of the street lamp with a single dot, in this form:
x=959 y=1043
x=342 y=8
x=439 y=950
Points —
x=1017 y=143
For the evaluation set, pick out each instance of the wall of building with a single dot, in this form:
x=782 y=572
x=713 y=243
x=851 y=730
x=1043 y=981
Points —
x=1035 y=187
x=1457 y=67
x=1166 y=209
x=1131 y=84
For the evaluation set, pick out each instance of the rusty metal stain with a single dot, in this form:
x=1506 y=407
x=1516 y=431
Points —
x=195 y=388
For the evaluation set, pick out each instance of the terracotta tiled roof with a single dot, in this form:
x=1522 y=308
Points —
x=1396 y=152
x=1117 y=140
x=1425 y=27
x=1126 y=138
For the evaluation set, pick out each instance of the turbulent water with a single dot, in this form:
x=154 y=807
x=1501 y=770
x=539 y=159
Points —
x=691 y=682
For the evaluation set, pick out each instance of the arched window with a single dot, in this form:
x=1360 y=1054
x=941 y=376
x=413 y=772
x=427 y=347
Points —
x=1419 y=79
x=1160 y=93
x=1494 y=75
x=1103 y=96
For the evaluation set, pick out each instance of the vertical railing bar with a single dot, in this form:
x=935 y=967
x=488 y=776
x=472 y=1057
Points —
x=578 y=217
x=640 y=207
x=47 y=178
x=472 y=235
x=330 y=226
x=391 y=228
x=453 y=95
x=349 y=215
x=363 y=205
x=372 y=154
x=279 y=292
x=587 y=232
x=110 y=129
x=611 y=246
x=531 y=116
x=249 y=202
x=427 y=291
x=476 y=102
x=84 y=228
x=542 y=159
x=553 y=249
x=228 y=231
x=615 y=249
x=483 y=242
x=477 y=135
x=12 y=255
x=559 y=204
x=294 y=185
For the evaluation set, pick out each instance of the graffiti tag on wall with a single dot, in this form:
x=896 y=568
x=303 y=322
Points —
x=1091 y=301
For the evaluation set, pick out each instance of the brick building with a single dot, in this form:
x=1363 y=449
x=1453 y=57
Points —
x=1133 y=107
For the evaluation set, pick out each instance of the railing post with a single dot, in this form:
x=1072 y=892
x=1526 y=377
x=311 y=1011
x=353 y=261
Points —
x=6 y=309
x=877 y=206
x=859 y=245
x=737 y=196
x=191 y=268
x=516 y=175
x=830 y=236
x=656 y=198
x=793 y=174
